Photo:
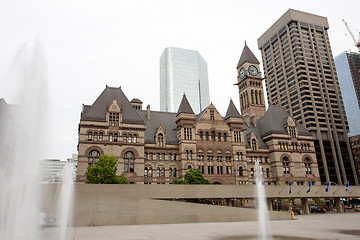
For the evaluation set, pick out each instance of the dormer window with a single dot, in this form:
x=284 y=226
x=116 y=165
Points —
x=113 y=119
x=160 y=140
x=253 y=144
x=292 y=132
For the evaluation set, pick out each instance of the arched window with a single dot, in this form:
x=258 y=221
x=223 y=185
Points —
x=174 y=172
x=252 y=97
x=163 y=157
x=219 y=137
x=134 y=138
x=170 y=157
x=241 y=171
x=129 y=160
x=162 y=172
x=256 y=97
x=187 y=155
x=307 y=166
x=189 y=167
x=241 y=101
x=190 y=155
x=201 y=135
x=95 y=136
x=145 y=156
x=170 y=172
x=124 y=137
x=260 y=100
x=158 y=172
x=150 y=171
x=115 y=137
x=110 y=137
x=93 y=157
x=247 y=99
x=252 y=172
x=267 y=172
x=89 y=136
x=145 y=172
x=253 y=144
x=225 y=137
x=286 y=165
x=101 y=136
x=212 y=135
x=150 y=156
x=207 y=136
x=129 y=138
x=160 y=139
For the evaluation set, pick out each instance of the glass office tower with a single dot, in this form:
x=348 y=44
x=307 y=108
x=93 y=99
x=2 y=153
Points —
x=348 y=70
x=301 y=77
x=183 y=71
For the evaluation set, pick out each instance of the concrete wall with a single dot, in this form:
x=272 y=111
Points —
x=99 y=205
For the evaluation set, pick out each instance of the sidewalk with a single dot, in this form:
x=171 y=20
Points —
x=314 y=226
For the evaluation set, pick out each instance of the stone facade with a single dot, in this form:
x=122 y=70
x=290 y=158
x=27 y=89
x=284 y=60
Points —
x=156 y=147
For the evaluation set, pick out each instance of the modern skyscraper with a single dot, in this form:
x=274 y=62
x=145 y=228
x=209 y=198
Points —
x=183 y=71
x=348 y=70
x=301 y=78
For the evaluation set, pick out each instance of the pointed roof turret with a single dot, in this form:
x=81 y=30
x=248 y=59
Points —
x=232 y=111
x=247 y=56
x=184 y=106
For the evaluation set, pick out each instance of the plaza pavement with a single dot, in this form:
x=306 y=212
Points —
x=313 y=226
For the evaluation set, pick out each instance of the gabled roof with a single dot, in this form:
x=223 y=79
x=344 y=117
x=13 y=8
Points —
x=97 y=111
x=166 y=119
x=232 y=111
x=247 y=56
x=184 y=106
x=198 y=117
x=247 y=134
x=274 y=121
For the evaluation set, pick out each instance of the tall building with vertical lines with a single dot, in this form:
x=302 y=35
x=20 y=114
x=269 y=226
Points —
x=183 y=71
x=348 y=70
x=301 y=78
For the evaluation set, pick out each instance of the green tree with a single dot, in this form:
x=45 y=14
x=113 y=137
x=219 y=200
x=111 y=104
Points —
x=104 y=172
x=192 y=177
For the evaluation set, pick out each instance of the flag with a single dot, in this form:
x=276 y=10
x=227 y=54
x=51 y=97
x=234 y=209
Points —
x=309 y=188
x=289 y=187
x=347 y=186
x=327 y=187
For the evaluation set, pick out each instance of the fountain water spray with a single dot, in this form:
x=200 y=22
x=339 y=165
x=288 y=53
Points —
x=261 y=202
x=22 y=140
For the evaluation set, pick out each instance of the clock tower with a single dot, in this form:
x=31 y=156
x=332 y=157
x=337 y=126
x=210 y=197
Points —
x=250 y=85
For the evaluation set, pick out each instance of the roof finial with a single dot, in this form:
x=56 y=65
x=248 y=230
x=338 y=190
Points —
x=245 y=41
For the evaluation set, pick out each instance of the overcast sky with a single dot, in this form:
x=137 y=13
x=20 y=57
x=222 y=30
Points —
x=91 y=43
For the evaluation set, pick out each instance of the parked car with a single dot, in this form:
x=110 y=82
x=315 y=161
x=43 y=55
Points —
x=317 y=209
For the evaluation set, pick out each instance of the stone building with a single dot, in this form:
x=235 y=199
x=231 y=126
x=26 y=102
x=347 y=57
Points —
x=155 y=147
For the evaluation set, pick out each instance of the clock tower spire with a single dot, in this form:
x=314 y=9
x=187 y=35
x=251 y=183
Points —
x=250 y=84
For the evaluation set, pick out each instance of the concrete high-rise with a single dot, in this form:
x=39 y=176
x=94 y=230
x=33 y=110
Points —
x=301 y=78
x=183 y=71
x=348 y=70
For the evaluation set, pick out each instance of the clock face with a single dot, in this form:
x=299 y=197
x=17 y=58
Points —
x=242 y=73
x=253 y=70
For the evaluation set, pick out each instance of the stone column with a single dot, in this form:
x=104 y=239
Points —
x=338 y=204
x=305 y=205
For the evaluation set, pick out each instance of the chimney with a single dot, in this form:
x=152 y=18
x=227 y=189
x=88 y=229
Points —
x=253 y=120
x=247 y=119
x=148 y=112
